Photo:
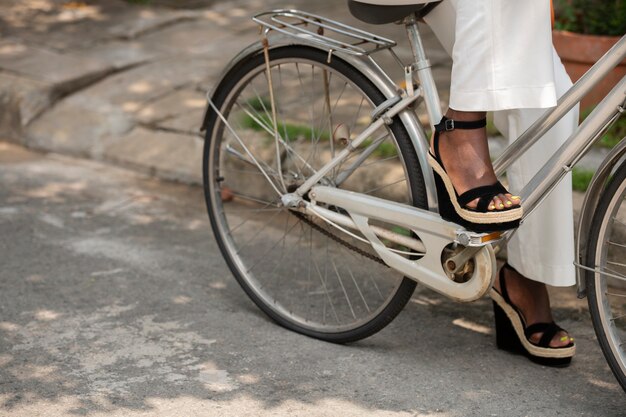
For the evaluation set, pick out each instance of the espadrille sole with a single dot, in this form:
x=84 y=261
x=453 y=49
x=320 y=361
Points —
x=541 y=352
x=496 y=216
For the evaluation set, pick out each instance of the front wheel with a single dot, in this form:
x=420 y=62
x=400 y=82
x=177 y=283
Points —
x=303 y=273
x=606 y=287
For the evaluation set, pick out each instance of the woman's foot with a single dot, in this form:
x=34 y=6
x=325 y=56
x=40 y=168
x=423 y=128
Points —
x=465 y=157
x=532 y=300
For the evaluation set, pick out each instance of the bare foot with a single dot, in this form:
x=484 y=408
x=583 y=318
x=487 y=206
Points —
x=465 y=156
x=532 y=300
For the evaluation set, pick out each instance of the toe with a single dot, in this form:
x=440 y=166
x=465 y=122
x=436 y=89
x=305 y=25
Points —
x=561 y=339
x=513 y=199
x=508 y=202
x=498 y=203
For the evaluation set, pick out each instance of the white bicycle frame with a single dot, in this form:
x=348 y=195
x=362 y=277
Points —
x=435 y=234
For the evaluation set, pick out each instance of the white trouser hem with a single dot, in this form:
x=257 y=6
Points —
x=538 y=97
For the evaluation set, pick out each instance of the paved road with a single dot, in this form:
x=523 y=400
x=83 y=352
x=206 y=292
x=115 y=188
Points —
x=114 y=301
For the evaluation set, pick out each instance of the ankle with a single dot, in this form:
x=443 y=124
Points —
x=531 y=297
x=465 y=116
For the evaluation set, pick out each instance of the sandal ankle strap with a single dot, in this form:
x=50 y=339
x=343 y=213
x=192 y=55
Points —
x=446 y=125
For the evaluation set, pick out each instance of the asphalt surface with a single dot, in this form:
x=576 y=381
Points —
x=115 y=301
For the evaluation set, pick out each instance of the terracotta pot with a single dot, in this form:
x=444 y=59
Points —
x=579 y=52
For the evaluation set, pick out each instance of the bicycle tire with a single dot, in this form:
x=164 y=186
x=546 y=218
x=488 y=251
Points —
x=214 y=189
x=604 y=229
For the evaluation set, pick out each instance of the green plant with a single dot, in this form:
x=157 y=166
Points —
x=384 y=150
x=614 y=135
x=292 y=131
x=581 y=179
x=289 y=131
x=592 y=17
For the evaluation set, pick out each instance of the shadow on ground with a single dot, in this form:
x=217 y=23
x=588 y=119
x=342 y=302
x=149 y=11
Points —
x=114 y=299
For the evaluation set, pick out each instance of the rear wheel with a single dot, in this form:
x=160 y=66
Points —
x=606 y=288
x=306 y=275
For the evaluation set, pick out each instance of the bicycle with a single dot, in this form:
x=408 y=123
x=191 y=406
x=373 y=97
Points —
x=322 y=201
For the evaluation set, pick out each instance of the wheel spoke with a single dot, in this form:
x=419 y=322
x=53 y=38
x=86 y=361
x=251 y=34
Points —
x=250 y=239
x=323 y=282
x=384 y=186
x=343 y=288
x=621 y=245
x=305 y=272
x=358 y=289
x=606 y=253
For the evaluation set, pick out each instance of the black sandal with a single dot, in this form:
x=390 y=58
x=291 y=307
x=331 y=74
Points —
x=512 y=334
x=453 y=207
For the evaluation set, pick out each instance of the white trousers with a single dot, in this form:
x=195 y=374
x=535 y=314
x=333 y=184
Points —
x=504 y=61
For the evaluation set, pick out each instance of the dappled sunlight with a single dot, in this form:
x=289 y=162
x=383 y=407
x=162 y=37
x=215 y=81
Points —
x=107 y=273
x=12 y=154
x=140 y=87
x=41 y=15
x=35 y=279
x=8 y=326
x=131 y=106
x=121 y=204
x=469 y=325
x=142 y=219
x=238 y=406
x=249 y=378
x=215 y=379
x=239 y=12
x=54 y=190
x=216 y=17
x=604 y=384
x=5 y=359
x=77 y=10
x=12 y=49
x=52 y=220
x=196 y=225
x=181 y=299
x=44 y=373
x=147 y=113
x=197 y=103
x=217 y=285
x=46 y=315
x=425 y=301
x=147 y=14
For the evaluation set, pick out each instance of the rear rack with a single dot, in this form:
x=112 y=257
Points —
x=314 y=29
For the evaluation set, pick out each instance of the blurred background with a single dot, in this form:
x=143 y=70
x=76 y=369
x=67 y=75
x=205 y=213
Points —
x=110 y=79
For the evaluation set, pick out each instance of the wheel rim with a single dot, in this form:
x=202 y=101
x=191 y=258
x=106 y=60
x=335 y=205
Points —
x=610 y=291
x=293 y=269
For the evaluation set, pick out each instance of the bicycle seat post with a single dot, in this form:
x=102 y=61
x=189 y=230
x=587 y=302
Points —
x=424 y=73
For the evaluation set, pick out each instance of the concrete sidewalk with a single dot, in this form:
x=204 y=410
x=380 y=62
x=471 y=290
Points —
x=116 y=302
x=126 y=84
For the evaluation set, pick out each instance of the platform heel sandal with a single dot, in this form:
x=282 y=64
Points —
x=512 y=334
x=453 y=207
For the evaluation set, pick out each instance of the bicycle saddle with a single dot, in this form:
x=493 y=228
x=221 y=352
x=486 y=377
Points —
x=380 y=12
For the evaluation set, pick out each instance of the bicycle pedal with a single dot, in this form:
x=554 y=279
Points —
x=467 y=238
